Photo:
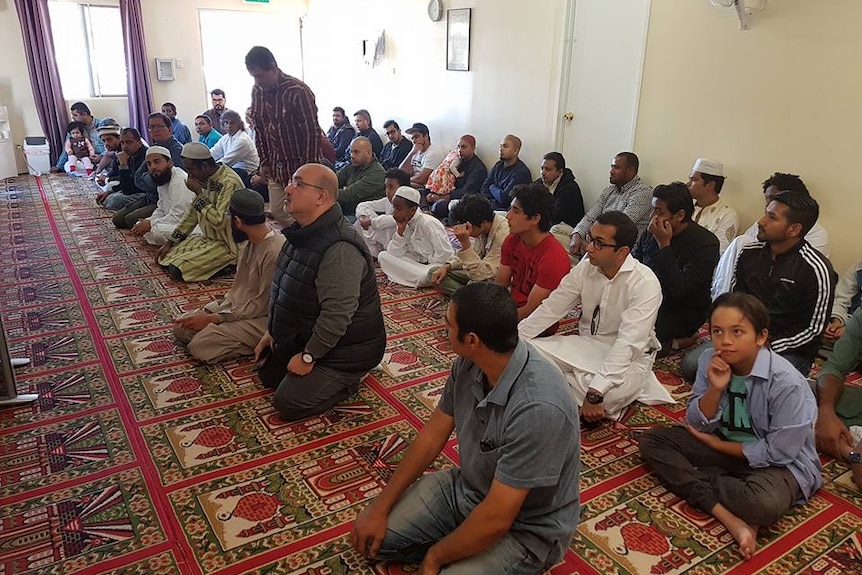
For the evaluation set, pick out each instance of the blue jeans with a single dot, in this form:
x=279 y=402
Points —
x=118 y=200
x=429 y=511
x=688 y=365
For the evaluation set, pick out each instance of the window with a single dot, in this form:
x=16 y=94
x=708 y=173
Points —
x=88 y=45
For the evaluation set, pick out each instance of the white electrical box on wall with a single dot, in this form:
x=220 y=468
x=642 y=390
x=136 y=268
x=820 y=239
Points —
x=8 y=166
x=165 y=71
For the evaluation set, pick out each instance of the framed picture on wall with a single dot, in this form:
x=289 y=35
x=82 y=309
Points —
x=458 y=39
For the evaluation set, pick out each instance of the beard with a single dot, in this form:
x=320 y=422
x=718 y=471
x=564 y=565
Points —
x=163 y=178
x=239 y=236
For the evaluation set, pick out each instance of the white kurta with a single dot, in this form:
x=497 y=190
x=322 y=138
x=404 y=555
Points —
x=615 y=352
x=817 y=236
x=721 y=220
x=382 y=224
x=237 y=151
x=174 y=199
x=408 y=258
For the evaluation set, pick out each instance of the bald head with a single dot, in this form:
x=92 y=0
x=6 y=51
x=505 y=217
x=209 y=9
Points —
x=514 y=140
x=321 y=176
x=312 y=191
x=510 y=147
x=361 y=153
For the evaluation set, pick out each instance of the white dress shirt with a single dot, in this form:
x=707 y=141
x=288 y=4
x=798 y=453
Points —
x=237 y=151
x=174 y=200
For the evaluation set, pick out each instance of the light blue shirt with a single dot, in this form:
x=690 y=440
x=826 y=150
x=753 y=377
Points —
x=782 y=409
x=181 y=131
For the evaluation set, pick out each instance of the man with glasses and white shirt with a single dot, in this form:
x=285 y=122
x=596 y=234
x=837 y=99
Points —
x=609 y=365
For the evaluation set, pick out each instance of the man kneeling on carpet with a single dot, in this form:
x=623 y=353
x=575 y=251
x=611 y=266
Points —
x=512 y=505
x=194 y=258
x=325 y=328
x=746 y=454
x=609 y=364
x=233 y=326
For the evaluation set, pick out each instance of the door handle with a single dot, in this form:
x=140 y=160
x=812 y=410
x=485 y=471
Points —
x=568 y=116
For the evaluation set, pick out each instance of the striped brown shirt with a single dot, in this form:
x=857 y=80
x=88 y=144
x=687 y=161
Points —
x=287 y=134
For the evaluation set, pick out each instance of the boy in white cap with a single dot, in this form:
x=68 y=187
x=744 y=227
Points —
x=418 y=244
x=174 y=198
x=705 y=183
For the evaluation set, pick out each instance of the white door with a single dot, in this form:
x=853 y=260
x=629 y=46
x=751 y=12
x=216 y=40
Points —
x=605 y=41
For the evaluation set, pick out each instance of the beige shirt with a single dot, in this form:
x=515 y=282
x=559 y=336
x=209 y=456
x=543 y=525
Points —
x=481 y=259
x=721 y=220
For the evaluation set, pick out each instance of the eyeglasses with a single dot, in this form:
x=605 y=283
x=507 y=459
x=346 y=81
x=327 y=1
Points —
x=297 y=183
x=594 y=323
x=600 y=245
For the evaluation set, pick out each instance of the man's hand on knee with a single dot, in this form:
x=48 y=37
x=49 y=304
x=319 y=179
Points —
x=832 y=436
x=369 y=531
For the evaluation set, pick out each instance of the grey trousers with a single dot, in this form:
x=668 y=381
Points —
x=704 y=477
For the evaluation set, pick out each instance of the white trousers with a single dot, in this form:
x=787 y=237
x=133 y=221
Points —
x=376 y=240
x=405 y=272
x=581 y=357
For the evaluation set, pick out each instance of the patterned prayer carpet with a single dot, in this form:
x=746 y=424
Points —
x=138 y=460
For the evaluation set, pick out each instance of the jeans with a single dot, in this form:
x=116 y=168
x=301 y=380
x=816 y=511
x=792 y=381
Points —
x=429 y=511
x=119 y=200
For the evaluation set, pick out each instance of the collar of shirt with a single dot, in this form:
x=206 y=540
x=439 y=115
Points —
x=499 y=394
x=631 y=184
x=762 y=364
x=553 y=187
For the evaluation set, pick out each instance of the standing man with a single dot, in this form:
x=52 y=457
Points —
x=362 y=179
x=705 y=183
x=232 y=327
x=423 y=157
x=195 y=258
x=627 y=193
x=397 y=147
x=512 y=505
x=206 y=133
x=682 y=255
x=287 y=134
x=180 y=130
x=507 y=173
x=219 y=101
x=325 y=326
x=609 y=364
x=340 y=135
x=568 y=201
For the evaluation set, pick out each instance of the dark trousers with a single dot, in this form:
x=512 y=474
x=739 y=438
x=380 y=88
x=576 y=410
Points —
x=298 y=397
x=704 y=477
x=126 y=218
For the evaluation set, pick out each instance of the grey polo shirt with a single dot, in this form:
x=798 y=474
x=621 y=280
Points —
x=525 y=434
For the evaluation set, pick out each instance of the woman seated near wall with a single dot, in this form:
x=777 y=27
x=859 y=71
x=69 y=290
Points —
x=236 y=149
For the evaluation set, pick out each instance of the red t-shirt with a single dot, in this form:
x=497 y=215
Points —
x=543 y=265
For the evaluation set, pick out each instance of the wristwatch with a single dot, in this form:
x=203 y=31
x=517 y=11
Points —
x=307 y=358
x=855 y=457
x=594 y=398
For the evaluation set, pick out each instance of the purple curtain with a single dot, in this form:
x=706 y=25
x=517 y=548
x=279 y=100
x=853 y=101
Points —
x=137 y=69
x=44 y=75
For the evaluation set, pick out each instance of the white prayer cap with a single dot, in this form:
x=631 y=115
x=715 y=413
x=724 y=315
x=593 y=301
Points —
x=710 y=167
x=409 y=194
x=158 y=151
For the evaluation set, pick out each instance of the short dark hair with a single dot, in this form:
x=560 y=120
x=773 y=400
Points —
x=249 y=220
x=218 y=92
x=401 y=176
x=677 y=197
x=340 y=110
x=260 y=58
x=388 y=123
x=626 y=233
x=160 y=116
x=717 y=180
x=487 y=310
x=81 y=108
x=133 y=132
x=751 y=308
x=785 y=182
x=535 y=200
x=557 y=158
x=170 y=105
x=206 y=118
x=76 y=126
x=801 y=209
x=631 y=160
x=473 y=208
x=363 y=113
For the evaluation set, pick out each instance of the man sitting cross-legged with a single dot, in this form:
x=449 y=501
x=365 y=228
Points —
x=194 y=258
x=609 y=365
x=233 y=326
x=532 y=262
x=481 y=233
x=839 y=405
x=374 y=218
x=157 y=222
x=418 y=244
x=512 y=505
x=325 y=328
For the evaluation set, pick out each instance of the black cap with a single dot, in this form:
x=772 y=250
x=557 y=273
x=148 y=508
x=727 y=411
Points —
x=418 y=127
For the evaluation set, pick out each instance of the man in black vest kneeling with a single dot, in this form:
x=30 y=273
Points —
x=325 y=328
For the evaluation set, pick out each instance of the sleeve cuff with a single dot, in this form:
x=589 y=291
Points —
x=600 y=384
x=201 y=203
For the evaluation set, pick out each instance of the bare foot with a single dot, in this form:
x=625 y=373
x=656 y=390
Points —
x=744 y=534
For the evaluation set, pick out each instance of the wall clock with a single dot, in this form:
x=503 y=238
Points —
x=435 y=10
